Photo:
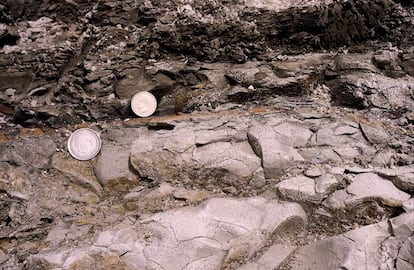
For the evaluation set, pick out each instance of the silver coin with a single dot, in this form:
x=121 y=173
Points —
x=84 y=144
x=143 y=104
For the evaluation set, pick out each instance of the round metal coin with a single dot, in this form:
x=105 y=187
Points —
x=143 y=104
x=84 y=144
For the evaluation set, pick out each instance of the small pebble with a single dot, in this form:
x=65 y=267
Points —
x=313 y=172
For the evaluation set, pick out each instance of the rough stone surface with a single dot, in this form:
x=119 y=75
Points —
x=258 y=102
x=66 y=232
x=3 y=257
x=402 y=177
x=171 y=239
x=172 y=167
x=113 y=165
x=374 y=135
x=364 y=187
x=294 y=133
x=80 y=171
x=239 y=235
x=352 y=250
x=313 y=172
x=179 y=159
x=366 y=90
x=271 y=259
x=32 y=152
x=326 y=184
x=113 y=162
x=408 y=205
x=406 y=254
x=276 y=155
x=300 y=188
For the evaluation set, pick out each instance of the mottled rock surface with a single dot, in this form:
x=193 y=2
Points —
x=283 y=136
x=367 y=186
x=364 y=248
x=208 y=236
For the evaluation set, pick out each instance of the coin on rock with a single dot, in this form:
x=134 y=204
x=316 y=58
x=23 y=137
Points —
x=143 y=104
x=84 y=144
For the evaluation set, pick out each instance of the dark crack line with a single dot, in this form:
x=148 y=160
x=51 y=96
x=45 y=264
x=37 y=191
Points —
x=201 y=237
x=231 y=224
x=202 y=258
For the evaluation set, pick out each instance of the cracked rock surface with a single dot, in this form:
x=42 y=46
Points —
x=218 y=233
x=283 y=137
x=363 y=248
x=193 y=193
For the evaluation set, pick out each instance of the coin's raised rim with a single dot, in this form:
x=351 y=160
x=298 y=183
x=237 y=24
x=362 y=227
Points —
x=90 y=131
x=148 y=94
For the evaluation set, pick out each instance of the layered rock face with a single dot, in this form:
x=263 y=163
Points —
x=75 y=61
x=283 y=137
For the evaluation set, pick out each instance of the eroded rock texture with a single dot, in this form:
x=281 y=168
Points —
x=283 y=137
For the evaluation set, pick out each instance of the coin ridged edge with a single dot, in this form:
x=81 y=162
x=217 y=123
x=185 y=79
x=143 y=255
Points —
x=95 y=153
x=150 y=95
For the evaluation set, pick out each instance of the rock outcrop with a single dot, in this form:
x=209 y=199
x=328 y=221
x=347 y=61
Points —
x=283 y=136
